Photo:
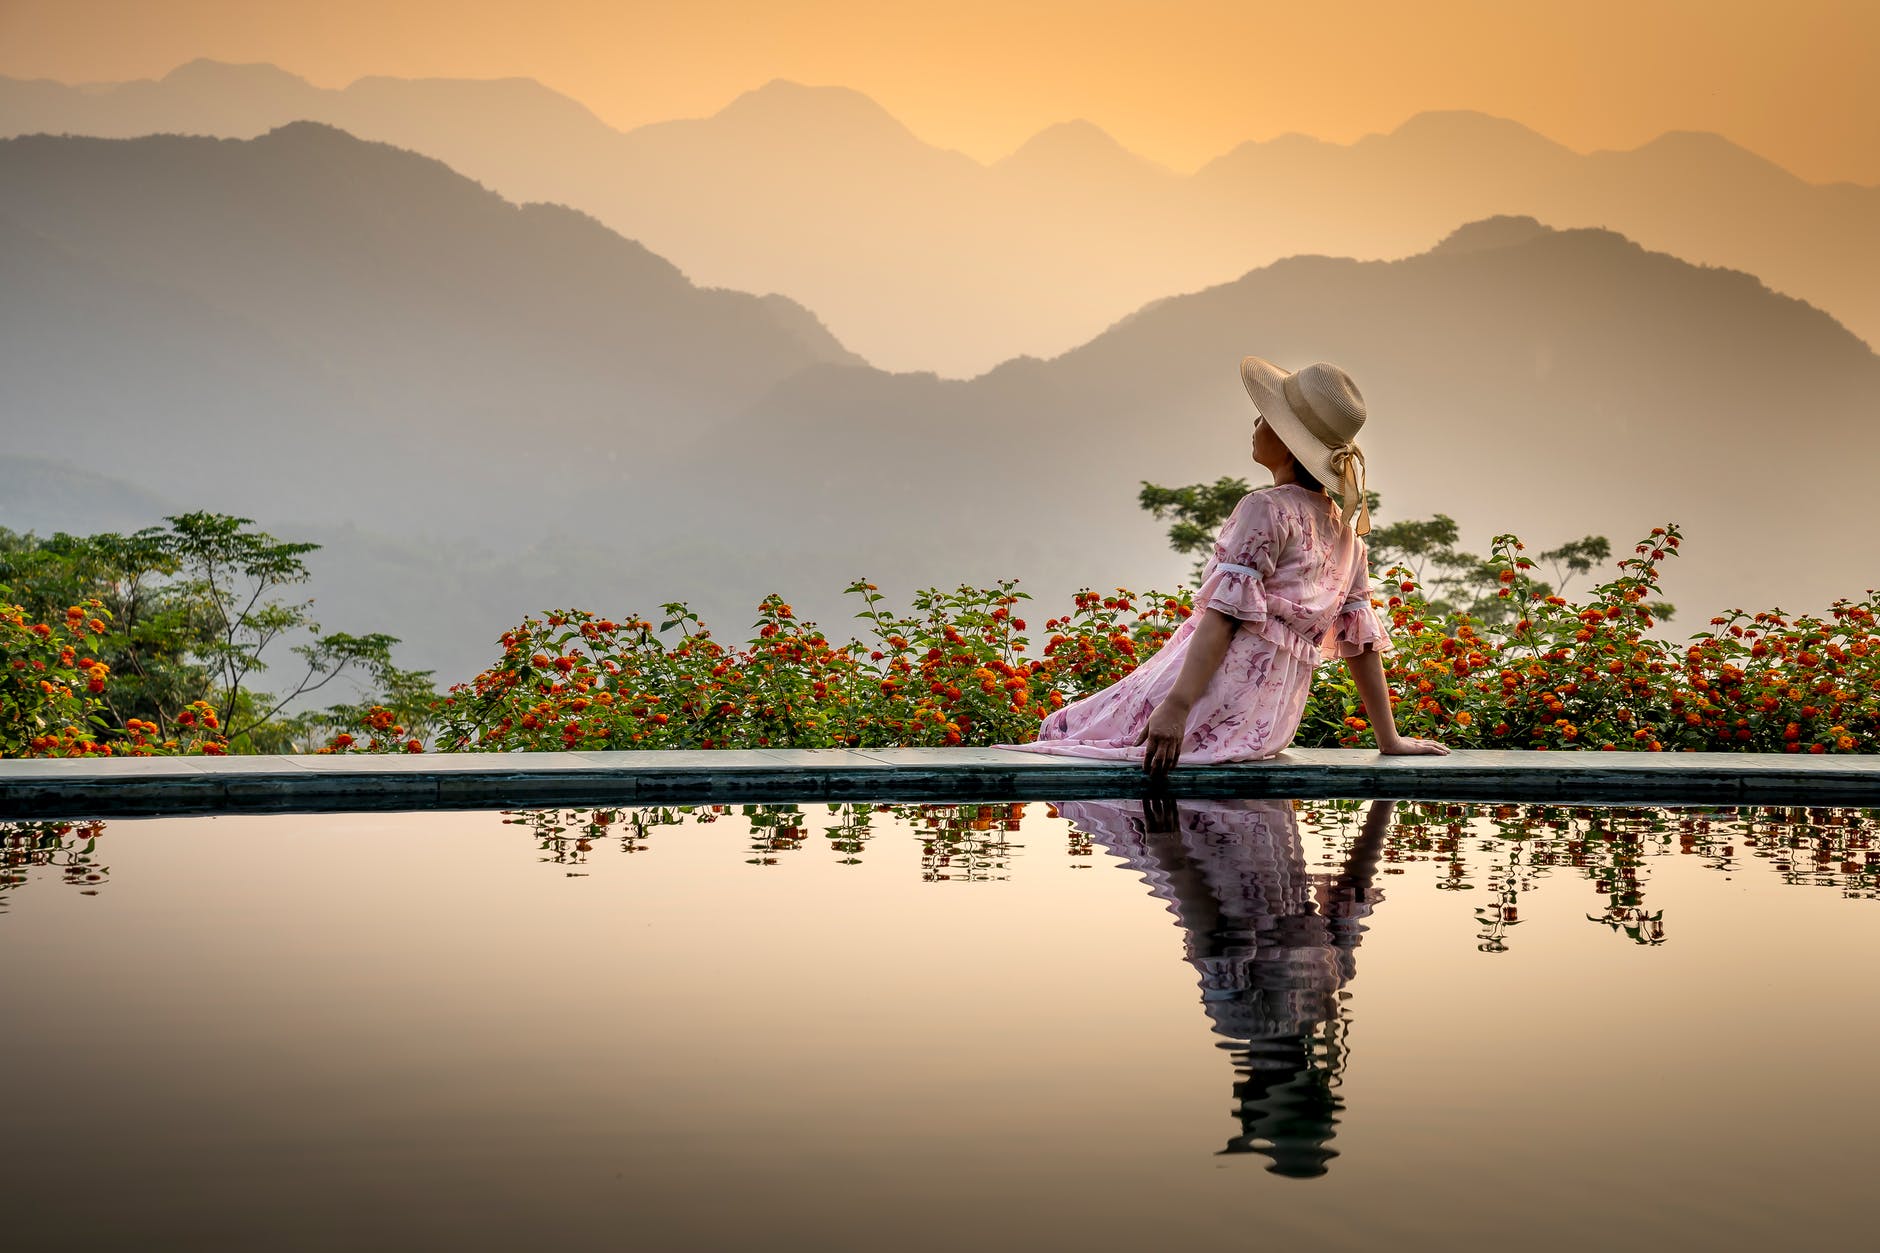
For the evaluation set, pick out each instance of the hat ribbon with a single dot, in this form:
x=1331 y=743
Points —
x=1347 y=457
x=1348 y=464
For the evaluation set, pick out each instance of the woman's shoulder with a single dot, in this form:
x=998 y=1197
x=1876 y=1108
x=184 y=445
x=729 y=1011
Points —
x=1260 y=517
x=1266 y=504
x=1261 y=497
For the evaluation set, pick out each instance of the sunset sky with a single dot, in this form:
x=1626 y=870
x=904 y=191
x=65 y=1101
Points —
x=1178 y=82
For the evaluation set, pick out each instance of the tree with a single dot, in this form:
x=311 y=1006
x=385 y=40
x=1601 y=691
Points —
x=196 y=615
x=1198 y=510
x=1576 y=557
x=1453 y=580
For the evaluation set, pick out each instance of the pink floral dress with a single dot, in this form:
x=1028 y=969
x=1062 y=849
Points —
x=1299 y=582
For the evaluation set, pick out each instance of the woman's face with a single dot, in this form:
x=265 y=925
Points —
x=1268 y=448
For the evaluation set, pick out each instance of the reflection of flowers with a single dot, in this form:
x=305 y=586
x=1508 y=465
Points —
x=1611 y=847
x=68 y=847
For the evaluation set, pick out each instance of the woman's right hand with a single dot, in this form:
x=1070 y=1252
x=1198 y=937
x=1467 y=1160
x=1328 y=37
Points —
x=1163 y=737
x=1413 y=746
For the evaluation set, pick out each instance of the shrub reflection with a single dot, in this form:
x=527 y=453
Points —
x=63 y=850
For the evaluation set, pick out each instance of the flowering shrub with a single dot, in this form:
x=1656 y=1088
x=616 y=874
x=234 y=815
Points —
x=1565 y=675
x=373 y=729
x=1552 y=674
x=49 y=683
x=960 y=668
x=52 y=694
x=953 y=671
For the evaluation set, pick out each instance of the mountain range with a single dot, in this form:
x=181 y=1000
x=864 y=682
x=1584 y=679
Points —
x=921 y=258
x=351 y=312
x=485 y=409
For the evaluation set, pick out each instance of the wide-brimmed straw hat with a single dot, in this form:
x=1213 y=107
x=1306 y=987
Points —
x=1317 y=413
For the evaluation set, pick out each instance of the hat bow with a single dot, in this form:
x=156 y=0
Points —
x=1348 y=465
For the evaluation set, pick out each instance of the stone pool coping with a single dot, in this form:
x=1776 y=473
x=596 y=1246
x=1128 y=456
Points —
x=122 y=787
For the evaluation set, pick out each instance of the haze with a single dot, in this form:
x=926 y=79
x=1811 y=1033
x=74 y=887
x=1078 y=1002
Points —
x=1798 y=83
x=531 y=336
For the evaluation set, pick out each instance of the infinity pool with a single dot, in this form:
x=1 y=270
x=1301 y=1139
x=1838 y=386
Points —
x=1082 y=1026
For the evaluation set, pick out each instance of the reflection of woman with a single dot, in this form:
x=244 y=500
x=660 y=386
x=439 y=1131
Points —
x=1288 y=584
x=1273 y=942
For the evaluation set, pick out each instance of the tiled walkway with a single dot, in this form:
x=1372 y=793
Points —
x=120 y=787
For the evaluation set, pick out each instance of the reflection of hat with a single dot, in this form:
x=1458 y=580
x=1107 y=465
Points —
x=1270 y=962
x=1317 y=413
x=1288 y=1108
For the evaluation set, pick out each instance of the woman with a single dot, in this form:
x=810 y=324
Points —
x=1288 y=585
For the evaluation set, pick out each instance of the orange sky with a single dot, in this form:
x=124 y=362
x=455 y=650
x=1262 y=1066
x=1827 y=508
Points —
x=1798 y=82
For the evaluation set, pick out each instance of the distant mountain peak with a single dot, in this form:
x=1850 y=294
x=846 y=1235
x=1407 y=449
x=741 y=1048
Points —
x=1078 y=140
x=784 y=100
x=307 y=145
x=1505 y=230
x=306 y=131
x=1707 y=149
x=1462 y=133
x=208 y=72
x=1468 y=126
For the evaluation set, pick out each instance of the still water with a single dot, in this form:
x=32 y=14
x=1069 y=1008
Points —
x=1091 y=1025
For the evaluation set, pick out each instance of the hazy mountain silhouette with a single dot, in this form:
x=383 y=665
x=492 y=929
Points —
x=488 y=409
x=1521 y=378
x=44 y=496
x=351 y=312
x=921 y=258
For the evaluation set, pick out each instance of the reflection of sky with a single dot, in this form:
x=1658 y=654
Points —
x=413 y=1025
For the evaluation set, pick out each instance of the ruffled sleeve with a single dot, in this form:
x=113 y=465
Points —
x=1358 y=624
x=1234 y=580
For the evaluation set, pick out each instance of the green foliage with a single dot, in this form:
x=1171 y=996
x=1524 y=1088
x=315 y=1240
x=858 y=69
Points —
x=1456 y=581
x=195 y=616
x=1198 y=509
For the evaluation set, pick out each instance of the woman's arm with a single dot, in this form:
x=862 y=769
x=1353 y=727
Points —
x=1169 y=722
x=1367 y=671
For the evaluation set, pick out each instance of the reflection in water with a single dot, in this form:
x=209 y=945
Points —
x=282 y=1031
x=1274 y=943
x=959 y=843
x=1509 y=850
x=28 y=849
x=1497 y=852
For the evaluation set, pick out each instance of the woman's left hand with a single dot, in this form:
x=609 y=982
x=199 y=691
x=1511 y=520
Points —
x=1412 y=746
x=1163 y=737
